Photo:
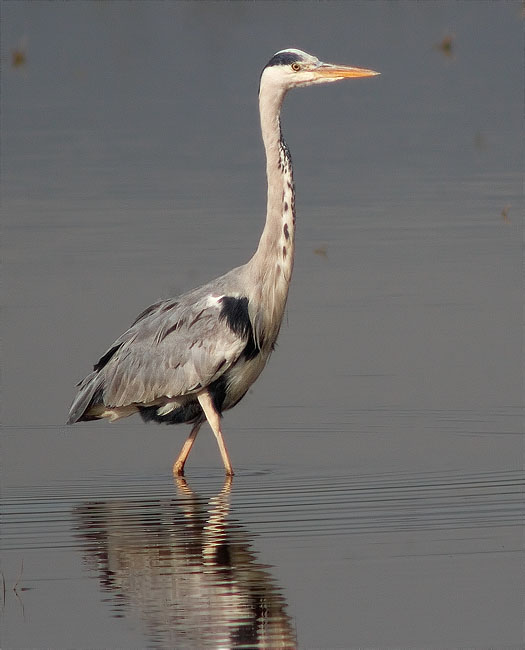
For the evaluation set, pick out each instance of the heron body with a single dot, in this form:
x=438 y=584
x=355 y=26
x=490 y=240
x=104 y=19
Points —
x=188 y=359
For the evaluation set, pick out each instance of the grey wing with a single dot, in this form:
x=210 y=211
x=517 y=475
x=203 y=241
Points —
x=174 y=348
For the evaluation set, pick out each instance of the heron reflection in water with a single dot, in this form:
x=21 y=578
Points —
x=190 y=358
x=185 y=570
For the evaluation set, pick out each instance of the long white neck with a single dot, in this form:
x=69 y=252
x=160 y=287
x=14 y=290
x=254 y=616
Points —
x=272 y=264
x=280 y=210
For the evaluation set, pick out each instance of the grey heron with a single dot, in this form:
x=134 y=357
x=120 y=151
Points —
x=188 y=359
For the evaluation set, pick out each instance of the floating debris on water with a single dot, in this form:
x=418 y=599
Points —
x=19 y=54
x=446 y=45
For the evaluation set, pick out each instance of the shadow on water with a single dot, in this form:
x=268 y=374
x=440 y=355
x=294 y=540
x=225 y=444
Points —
x=185 y=569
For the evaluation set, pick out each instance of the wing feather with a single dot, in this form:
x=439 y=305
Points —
x=174 y=348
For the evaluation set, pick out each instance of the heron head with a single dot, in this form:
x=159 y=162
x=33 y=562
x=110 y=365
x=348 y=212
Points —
x=293 y=68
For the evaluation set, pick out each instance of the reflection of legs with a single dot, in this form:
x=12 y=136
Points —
x=215 y=423
x=178 y=466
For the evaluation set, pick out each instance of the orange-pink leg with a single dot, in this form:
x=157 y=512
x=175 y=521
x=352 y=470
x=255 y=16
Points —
x=214 y=420
x=178 y=465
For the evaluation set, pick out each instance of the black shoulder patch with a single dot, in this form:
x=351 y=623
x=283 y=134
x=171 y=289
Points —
x=105 y=359
x=283 y=58
x=235 y=312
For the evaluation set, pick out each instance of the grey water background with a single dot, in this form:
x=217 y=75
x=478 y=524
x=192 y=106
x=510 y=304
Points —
x=378 y=500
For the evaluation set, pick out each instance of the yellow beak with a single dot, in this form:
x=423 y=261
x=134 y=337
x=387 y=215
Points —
x=329 y=71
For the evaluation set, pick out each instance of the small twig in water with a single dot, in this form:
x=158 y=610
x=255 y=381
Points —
x=18 y=579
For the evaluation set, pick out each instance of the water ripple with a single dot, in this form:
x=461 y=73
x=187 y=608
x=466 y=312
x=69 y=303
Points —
x=40 y=517
x=181 y=559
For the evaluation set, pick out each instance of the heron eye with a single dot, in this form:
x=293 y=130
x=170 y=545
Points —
x=296 y=67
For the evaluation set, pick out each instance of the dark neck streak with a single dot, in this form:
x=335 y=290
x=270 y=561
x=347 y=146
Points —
x=279 y=229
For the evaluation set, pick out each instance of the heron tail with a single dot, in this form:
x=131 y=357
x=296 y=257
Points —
x=89 y=394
